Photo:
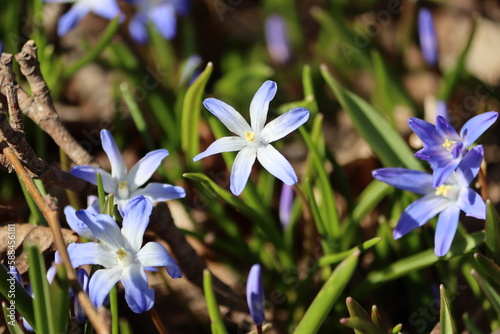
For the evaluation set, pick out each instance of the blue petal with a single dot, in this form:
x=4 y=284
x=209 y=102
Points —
x=69 y=20
x=89 y=174
x=76 y=224
x=276 y=164
x=446 y=229
x=106 y=8
x=260 y=105
x=154 y=254
x=135 y=221
x=469 y=166
x=145 y=168
x=228 y=116
x=286 y=204
x=137 y=28
x=159 y=192
x=255 y=295
x=471 y=203
x=118 y=168
x=104 y=228
x=427 y=36
x=91 y=253
x=138 y=295
x=163 y=17
x=445 y=129
x=476 y=126
x=101 y=283
x=405 y=179
x=83 y=278
x=441 y=174
x=242 y=167
x=284 y=124
x=442 y=109
x=277 y=41
x=425 y=131
x=224 y=144
x=419 y=212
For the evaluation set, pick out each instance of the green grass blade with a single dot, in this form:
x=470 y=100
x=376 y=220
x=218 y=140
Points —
x=44 y=317
x=361 y=325
x=490 y=292
x=356 y=310
x=385 y=141
x=334 y=258
x=59 y=298
x=11 y=323
x=488 y=266
x=492 y=235
x=327 y=296
x=445 y=317
x=213 y=308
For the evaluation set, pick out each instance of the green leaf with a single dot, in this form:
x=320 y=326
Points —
x=490 y=292
x=333 y=258
x=375 y=316
x=356 y=311
x=191 y=110
x=213 y=308
x=361 y=325
x=445 y=317
x=327 y=296
x=492 y=235
x=44 y=317
x=369 y=198
x=59 y=298
x=385 y=141
x=100 y=193
x=11 y=320
x=488 y=266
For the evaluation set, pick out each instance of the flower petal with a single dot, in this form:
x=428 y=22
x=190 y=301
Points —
x=106 y=8
x=135 y=221
x=145 y=168
x=476 y=126
x=418 y=213
x=91 y=253
x=154 y=254
x=425 y=131
x=137 y=28
x=275 y=163
x=101 y=283
x=138 y=295
x=441 y=174
x=69 y=20
x=284 y=124
x=469 y=166
x=471 y=203
x=228 y=116
x=242 y=167
x=118 y=168
x=163 y=17
x=427 y=36
x=224 y=144
x=446 y=229
x=255 y=295
x=76 y=224
x=405 y=179
x=445 y=129
x=260 y=105
x=159 y=192
x=89 y=174
x=103 y=227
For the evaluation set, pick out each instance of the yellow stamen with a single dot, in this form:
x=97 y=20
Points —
x=250 y=136
x=442 y=190
x=448 y=144
x=121 y=253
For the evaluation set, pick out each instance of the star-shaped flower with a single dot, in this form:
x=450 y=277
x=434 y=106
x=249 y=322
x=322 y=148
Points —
x=121 y=255
x=126 y=185
x=447 y=200
x=76 y=224
x=254 y=141
x=106 y=8
x=444 y=148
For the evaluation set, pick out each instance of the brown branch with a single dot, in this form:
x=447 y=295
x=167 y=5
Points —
x=53 y=221
x=191 y=263
x=40 y=108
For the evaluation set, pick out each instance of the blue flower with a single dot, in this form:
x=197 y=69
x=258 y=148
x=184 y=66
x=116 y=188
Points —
x=254 y=141
x=278 y=44
x=427 y=36
x=444 y=148
x=83 y=278
x=121 y=255
x=161 y=13
x=286 y=204
x=255 y=295
x=447 y=200
x=76 y=224
x=106 y=8
x=125 y=185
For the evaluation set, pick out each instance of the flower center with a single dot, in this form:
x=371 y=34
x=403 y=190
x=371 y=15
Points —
x=448 y=144
x=123 y=190
x=124 y=257
x=250 y=136
x=442 y=190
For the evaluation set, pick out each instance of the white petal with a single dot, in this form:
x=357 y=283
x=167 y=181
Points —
x=224 y=144
x=91 y=253
x=260 y=104
x=104 y=228
x=242 y=167
x=136 y=220
x=145 y=168
x=118 y=168
x=276 y=164
x=101 y=283
x=284 y=124
x=228 y=116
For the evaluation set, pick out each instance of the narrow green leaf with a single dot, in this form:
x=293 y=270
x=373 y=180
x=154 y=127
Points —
x=115 y=316
x=100 y=193
x=490 y=292
x=369 y=198
x=492 y=235
x=11 y=320
x=445 y=317
x=488 y=266
x=44 y=317
x=375 y=317
x=213 y=308
x=191 y=110
x=59 y=298
x=470 y=325
x=356 y=311
x=361 y=325
x=334 y=258
x=327 y=296
x=125 y=327
x=380 y=95
x=36 y=217
x=385 y=141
